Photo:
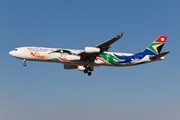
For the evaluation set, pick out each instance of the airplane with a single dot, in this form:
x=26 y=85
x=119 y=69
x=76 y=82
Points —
x=94 y=56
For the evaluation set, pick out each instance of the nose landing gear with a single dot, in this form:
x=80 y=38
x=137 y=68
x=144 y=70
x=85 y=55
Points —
x=24 y=60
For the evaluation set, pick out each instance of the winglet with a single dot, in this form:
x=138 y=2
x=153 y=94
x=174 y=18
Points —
x=120 y=35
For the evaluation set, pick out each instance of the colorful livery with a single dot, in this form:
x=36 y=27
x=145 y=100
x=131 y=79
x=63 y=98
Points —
x=85 y=60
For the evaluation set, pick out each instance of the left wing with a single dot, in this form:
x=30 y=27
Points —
x=106 y=45
x=91 y=53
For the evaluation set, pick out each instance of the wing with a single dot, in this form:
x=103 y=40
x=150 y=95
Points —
x=91 y=53
x=106 y=45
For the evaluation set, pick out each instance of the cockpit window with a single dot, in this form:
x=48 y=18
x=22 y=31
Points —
x=15 y=49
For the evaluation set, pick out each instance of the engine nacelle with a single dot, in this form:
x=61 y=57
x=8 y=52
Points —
x=66 y=66
x=81 y=68
x=162 y=58
x=92 y=50
x=72 y=57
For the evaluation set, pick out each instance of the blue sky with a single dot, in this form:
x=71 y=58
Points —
x=47 y=91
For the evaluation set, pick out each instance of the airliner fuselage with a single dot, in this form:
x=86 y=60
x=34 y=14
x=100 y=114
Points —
x=93 y=56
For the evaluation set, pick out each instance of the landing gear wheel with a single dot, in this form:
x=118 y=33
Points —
x=85 y=71
x=89 y=73
x=88 y=69
x=24 y=60
x=24 y=64
x=91 y=68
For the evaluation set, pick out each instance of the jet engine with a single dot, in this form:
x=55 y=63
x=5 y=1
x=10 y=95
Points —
x=81 y=68
x=72 y=57
x=66 y=66
x=92 y=49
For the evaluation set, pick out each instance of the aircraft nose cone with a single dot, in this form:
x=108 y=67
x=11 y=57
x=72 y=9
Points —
x=10 y=53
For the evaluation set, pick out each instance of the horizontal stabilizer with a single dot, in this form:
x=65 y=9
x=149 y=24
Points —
x=158 y=56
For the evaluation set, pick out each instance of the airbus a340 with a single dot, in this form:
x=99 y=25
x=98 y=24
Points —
x=94 y=56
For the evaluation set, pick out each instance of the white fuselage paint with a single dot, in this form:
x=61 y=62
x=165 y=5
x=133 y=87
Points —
x=48 y=55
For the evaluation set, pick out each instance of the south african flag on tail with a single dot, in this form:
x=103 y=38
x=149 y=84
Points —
x=156 y=47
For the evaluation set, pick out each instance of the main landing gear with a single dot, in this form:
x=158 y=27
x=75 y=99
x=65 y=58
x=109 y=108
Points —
x=88 y=69
x=24 y=60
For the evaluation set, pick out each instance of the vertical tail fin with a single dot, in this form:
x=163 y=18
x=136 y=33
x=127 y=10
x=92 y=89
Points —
x=156 y=46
